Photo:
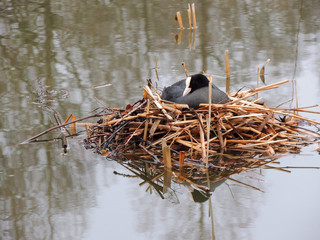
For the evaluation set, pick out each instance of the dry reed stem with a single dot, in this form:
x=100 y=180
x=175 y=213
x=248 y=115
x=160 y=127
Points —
x=156 y=66
x=167 y=138
x=148 y=91
x=67 y=119
x=160 y=126
x=194 y=21
x=185 y=69
x=226 y=59
x=73 y=125
x=296 y=92
x=270 y=86
x=167 y=107
x=166 y=154
x=189 y=16
x=182 y=155
x=156 y=70
x=227 y=66
x=193 y=146
x=202 y=133
x=265 y=121
x=257 y=94
x=147 y=122
x=128 y=114
x=301 y=109
x=154 y=127
x=208 y=119
x=179 y=19
x=262 y=71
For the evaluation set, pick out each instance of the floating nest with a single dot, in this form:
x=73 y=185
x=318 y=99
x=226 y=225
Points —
x=159 y=141
x=245 y=131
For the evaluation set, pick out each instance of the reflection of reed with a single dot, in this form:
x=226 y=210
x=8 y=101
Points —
x=192 y=37
x=178 y=36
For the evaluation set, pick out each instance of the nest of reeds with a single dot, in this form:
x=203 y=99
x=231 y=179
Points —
x=155 y=128
x=160 y=141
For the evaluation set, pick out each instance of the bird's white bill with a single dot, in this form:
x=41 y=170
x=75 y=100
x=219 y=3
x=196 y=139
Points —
x=188 y=89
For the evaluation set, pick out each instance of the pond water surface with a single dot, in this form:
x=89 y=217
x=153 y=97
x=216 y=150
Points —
x=67 y=47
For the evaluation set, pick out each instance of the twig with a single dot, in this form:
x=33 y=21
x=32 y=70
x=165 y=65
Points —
x=147 y=151
x=132 y=111
x=59 y=126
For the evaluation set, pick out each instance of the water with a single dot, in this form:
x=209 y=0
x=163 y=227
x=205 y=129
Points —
x=72 y=46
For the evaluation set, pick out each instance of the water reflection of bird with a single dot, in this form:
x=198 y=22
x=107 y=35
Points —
x=193 y=91
x=197 y=195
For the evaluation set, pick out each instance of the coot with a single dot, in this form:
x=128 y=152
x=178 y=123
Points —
x=193 y=91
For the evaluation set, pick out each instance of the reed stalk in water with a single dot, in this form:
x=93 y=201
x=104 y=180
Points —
x=179 y=19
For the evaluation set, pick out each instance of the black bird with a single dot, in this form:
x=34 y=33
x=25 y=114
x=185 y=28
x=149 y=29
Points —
x=193 y=91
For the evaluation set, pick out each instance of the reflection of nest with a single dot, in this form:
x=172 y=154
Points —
x=244 y=134
x=192 y=172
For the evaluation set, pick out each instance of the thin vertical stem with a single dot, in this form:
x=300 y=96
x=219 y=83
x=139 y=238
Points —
x=226 y=59
x=257 y=95
x=194 y=21
x=179 y=19
x=296 y=92
x=208 y=120
x=189 y=16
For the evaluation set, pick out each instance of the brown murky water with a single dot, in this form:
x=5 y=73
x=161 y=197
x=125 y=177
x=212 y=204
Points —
x=70 y=46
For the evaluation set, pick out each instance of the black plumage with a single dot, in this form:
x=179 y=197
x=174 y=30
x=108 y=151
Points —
x=193 y=91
